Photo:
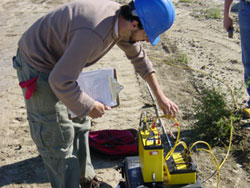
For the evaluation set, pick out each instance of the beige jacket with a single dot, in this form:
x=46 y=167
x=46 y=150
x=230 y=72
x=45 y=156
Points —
x=72 y=37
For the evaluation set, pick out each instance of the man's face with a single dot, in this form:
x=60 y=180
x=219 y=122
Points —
x=138 y=35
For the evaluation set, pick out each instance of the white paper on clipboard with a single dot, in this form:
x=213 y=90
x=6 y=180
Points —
x=101 y=85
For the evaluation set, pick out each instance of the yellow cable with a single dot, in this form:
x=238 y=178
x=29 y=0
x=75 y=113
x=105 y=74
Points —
x=236 y=107
x=215 y=161
x=230 y=142
x=209 y=150
x=173 y=149
x=178 y=127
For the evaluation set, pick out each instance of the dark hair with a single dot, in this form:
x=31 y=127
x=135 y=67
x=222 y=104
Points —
x=126 y=12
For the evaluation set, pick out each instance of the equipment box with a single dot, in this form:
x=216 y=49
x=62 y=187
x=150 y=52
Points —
x=151 y=152
x=132 y=172
x=133 y=176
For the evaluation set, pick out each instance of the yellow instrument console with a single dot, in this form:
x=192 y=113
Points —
x=151 y=155
x=180 y=170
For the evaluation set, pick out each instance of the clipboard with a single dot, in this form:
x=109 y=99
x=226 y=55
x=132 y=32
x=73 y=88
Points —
x=101 y=85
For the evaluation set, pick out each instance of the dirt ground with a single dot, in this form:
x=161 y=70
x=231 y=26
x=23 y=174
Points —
x=197 y=37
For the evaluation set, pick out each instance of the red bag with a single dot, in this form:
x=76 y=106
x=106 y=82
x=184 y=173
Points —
x=114 y=142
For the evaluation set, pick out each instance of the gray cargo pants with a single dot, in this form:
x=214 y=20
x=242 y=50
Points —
x=62 y=143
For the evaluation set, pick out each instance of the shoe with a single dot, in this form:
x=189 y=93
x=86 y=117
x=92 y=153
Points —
x=94 y=183
x=246 y=113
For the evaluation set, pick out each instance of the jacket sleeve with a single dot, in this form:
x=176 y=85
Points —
x=138 y=57
x=63 y=77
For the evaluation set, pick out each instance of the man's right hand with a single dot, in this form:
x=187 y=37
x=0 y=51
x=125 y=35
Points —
x=228 y=23
x=98 y=110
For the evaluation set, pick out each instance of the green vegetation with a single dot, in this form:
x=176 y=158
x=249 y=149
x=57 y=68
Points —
x=210 y=13
x=185 y=1
x=213 y=13
x=178 y=57
x=182 y=58
x=213 y=117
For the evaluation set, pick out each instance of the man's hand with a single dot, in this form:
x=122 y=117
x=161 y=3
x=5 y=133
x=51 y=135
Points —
x=228 y=23
x=167 y=106
x=98 y=110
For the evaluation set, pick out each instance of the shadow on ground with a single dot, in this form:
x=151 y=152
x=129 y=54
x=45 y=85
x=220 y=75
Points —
x=32 y=171
x=28 y=171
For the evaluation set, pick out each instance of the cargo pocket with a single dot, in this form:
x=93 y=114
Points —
x=52 y=137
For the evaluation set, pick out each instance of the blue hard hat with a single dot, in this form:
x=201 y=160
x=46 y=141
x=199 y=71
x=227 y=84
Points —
x=156 y=17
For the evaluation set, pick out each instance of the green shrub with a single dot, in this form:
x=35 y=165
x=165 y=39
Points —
x=213 y=13
x=213 y=118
